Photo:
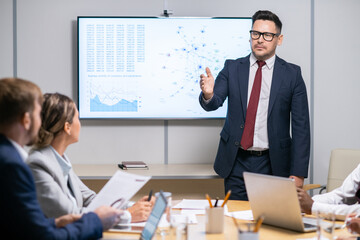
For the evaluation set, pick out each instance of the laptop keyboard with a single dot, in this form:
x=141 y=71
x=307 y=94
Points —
x=308 y=225
x=311 y=223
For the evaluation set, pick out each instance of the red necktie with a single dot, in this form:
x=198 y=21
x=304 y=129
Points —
x=248 y=134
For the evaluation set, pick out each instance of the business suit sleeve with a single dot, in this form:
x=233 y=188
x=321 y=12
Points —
x=300 y=124
x=220 y=91
x=53 y=200
x=22 y=217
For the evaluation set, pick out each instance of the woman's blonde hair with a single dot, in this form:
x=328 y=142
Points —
x=57 y=109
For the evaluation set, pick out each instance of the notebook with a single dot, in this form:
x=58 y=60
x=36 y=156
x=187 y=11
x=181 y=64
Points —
x=133 y=165
x=151 y=224
x=276 y=199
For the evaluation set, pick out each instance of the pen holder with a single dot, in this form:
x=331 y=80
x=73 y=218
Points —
x=214 y=219
x=248 y=235
x=246 y=231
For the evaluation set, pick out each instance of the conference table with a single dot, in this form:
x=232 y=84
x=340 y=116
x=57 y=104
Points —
x=267 y=232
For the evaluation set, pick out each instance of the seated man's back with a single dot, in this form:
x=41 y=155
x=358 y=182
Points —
x=22 y=217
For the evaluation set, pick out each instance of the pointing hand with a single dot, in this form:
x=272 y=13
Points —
x=207 y=84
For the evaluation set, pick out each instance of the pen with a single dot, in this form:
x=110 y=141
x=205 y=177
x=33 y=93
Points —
x=208 y=198
x=347 y=221
x=236 y=223
x=150 y=193
x=226 y=198
x=216 y=202
x=258 y=223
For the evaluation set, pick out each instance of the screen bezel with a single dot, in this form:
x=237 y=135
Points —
x=160 y=200
x=140 y=118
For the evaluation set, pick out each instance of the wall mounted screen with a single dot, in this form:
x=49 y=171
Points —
x=139 y=67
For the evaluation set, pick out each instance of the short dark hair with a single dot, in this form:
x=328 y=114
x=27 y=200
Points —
x=17 y=97
x=267 y=15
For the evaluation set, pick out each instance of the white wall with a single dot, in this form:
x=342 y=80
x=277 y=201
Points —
x=46 y=45
x=336 y=80
x=6 y=38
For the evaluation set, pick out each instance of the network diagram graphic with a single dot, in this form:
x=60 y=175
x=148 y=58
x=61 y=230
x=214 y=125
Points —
x=195 y=53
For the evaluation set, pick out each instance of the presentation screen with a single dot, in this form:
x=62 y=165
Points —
x=150 y=67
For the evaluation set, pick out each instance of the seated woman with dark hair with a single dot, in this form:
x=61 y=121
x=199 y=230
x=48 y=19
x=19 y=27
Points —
x=59 y=189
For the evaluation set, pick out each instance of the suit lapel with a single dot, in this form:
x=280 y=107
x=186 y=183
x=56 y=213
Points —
x=243 y=73
x=278 y=78
x=75 y=189
x=55 y=168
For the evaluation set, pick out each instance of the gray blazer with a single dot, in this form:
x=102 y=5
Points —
x=52 y=189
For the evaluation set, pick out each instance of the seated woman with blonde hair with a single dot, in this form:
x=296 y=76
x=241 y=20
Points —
x=59 y=189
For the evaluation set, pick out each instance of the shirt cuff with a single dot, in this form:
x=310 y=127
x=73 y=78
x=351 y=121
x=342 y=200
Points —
x=125 y=218
x=129 y=204
x=315 y=208
x=206 y=101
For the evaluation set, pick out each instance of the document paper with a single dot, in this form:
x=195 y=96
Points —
x=118 y=190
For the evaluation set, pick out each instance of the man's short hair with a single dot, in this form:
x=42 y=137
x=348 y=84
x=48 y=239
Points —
x=17 y=96
x=267 y=15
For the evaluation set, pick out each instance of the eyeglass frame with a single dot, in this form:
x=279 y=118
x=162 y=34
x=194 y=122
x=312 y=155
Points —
x=262 y=34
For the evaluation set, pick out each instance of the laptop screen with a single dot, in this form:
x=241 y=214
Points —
x=154 y=218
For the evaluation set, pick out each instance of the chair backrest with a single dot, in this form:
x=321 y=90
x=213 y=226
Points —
x=342 y=163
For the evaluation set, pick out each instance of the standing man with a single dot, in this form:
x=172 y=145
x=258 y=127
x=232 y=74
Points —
x=266 y=96
x=21 y=216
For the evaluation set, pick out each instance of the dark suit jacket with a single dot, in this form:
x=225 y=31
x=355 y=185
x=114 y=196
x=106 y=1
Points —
x=288 y=104
x=21 y=216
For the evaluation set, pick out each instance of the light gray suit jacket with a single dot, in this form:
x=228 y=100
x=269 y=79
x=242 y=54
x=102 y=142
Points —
x=52 y=189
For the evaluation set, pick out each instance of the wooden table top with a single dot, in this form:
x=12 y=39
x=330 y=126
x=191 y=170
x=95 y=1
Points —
x=267 y=232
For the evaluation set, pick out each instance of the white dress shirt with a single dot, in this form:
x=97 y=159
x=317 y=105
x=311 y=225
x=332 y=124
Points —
x=65 y=166
x=261 y=141
x=23 y=154
x=341 y=200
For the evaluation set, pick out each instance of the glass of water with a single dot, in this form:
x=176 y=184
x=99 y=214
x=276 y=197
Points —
x=325 y=226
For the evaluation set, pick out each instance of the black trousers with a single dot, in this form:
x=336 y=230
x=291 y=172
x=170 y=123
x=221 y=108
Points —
x=245 y=162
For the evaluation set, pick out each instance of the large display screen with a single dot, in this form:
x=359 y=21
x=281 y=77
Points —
x=144 y=67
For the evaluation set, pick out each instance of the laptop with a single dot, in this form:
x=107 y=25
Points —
x=276 y=199
x=151 y=224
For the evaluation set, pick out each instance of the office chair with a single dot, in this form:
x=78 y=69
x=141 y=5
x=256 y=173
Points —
x=342 y=163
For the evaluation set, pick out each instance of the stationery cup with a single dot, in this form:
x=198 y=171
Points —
x=164 y=224
x=214 y=219
x=246 y=231
x=248 y=236
x=325 y=226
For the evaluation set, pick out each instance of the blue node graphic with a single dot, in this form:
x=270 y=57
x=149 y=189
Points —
x=122 y=106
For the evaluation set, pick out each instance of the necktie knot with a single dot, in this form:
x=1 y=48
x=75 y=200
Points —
x=260 y=63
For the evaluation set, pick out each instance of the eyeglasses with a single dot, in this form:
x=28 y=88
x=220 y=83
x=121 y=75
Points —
x=255 y=35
